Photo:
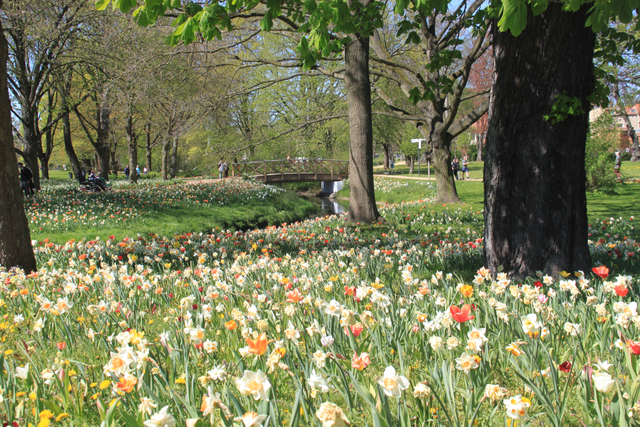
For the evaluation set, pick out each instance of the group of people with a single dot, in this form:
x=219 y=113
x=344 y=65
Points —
x=127 y=171
x=223 y=169
x=456 y=168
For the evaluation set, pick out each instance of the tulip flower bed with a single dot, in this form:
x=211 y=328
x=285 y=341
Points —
x=321 y=324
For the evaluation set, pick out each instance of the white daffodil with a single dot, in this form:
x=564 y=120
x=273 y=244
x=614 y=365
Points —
x=392 y=383
x=161 y=419
x=251 y=419
x=254 y=384
x=466 y=362
x=316 y=381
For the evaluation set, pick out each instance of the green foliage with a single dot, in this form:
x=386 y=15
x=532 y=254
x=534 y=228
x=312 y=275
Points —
x=513 y=13
x=321 y=21
x=599 y=164
x=563 y=107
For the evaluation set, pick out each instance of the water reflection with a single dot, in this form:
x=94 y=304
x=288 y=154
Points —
x=330 y=206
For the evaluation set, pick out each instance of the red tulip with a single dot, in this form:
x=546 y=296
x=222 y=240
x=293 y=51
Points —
x=634 y=347
x=565 y=366
x=622 y=290
x=461 y=315
x=601 y=271
x=61 y=345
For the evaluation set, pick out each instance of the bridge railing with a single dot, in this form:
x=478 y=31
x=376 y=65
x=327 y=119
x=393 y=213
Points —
x=288 y=169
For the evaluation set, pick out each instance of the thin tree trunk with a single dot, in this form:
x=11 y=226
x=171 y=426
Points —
x=410 y=162
x=66 y=128
x=480 y=143
x=362 y=201
x=535 y=203
x=133 y=151
x=148 y=147
x=165 y=158
x=15 y=239
x=68 y=144
x=174 y=156
x=631 y=132
x=387 y=155
x=31 y=154
x=102 y=139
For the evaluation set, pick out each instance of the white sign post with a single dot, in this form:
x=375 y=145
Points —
x=419 y=141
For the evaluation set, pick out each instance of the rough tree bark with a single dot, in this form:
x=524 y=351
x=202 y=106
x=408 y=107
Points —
x=362 y=201
x=535 y=203
x=15 y=239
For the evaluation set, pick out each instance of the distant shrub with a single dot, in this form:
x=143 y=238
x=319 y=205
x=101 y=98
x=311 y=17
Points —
x=599 y=158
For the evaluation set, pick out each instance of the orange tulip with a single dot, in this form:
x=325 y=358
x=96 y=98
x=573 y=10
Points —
x=126 y=384
x=360 y=362
x=294 y=296
x=601 y=271
x=461 y=315
x=61 y=345
x=259 y=345
x=231 y=325
x=467 y=291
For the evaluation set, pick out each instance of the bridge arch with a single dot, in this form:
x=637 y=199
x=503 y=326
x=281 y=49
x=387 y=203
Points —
x=293 y=170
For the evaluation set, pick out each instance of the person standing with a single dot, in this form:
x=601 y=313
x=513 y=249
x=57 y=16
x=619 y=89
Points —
x=126 y=171
x=456 y=167
x=26 y=180
x=220 y=169
x=465 y=166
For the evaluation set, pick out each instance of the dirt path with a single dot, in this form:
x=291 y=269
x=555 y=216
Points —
x=418 y=178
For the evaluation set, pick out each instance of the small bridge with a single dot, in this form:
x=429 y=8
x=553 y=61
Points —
x=293 y=170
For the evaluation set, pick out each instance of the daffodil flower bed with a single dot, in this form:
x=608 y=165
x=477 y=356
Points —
x=62 y=206
x=319 y=323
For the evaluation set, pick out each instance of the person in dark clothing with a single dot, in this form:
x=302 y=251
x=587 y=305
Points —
x=456 y=167
x=126 y=171
x=26 y=180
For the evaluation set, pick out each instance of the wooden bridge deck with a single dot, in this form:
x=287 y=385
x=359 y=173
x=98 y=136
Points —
x=293 y=170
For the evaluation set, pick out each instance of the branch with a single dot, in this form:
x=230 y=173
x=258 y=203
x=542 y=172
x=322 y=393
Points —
x=464 y=123
x=302 y=126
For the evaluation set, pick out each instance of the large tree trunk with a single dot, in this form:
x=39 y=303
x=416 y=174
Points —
x=173 y=161
x=148 y=147
x=15 y=239
x=133 y=151
x=535 y=204
x=362 y=201
x=445 y=183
